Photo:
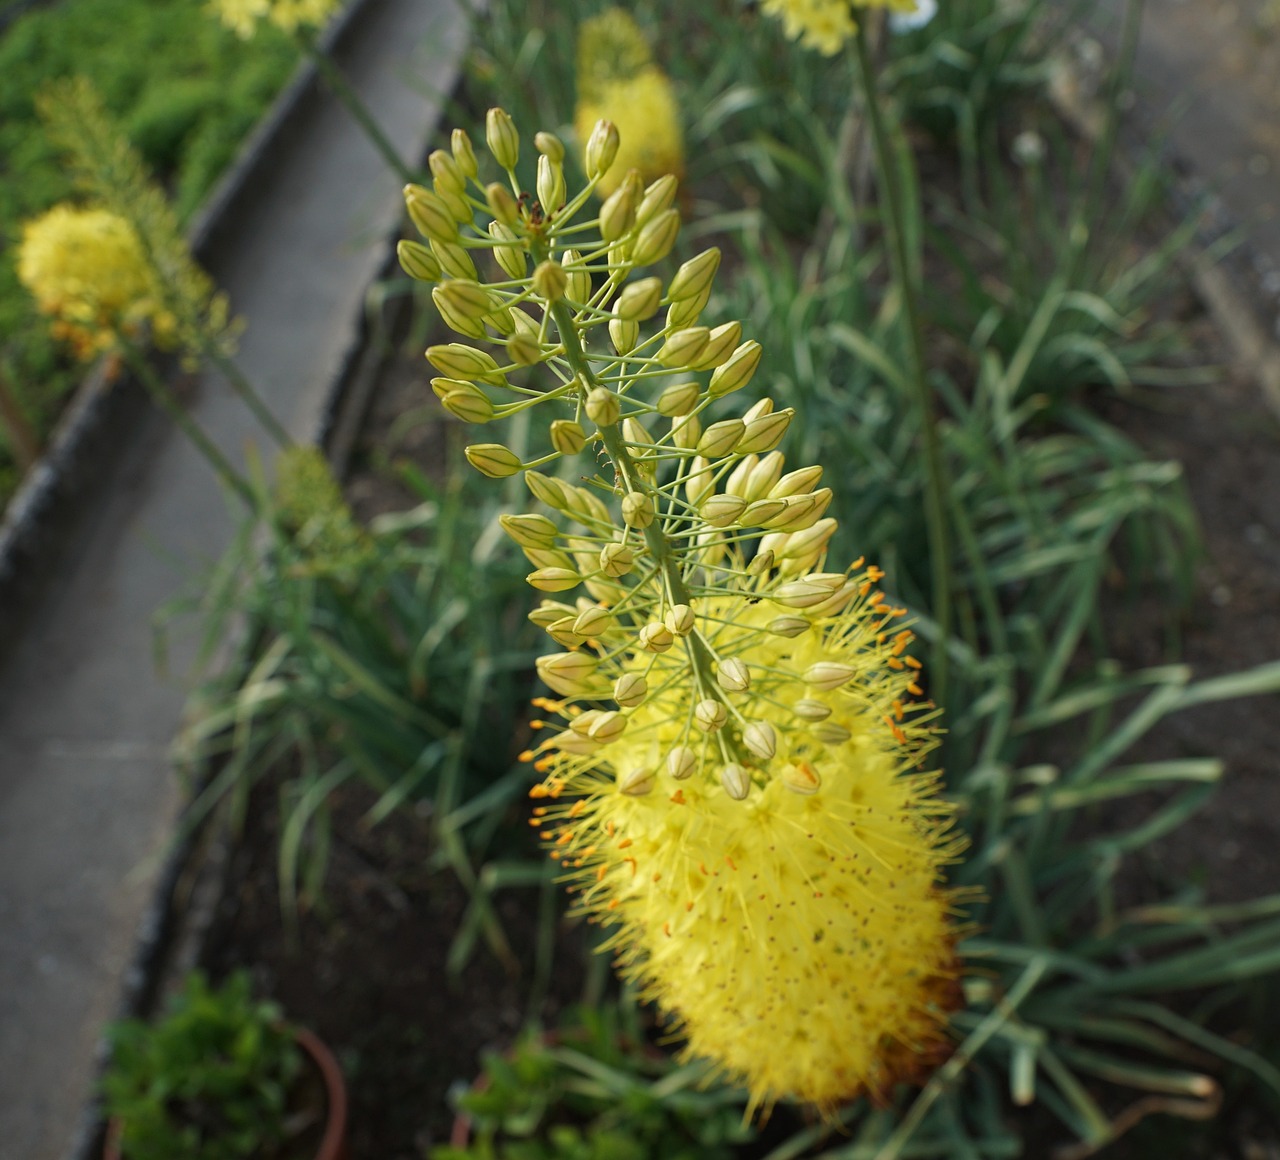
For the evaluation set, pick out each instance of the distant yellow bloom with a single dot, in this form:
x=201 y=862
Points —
x=311 y=507
x=619 y=82
x=242 y=16
x=86 y=270
x=825 y=24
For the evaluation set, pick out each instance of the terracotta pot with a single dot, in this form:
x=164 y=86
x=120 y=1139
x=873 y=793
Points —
x=333 y=1144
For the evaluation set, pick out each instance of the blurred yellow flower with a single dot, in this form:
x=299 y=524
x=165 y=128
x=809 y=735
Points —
x=242 y=16
x=86 y=270
x=825 y=24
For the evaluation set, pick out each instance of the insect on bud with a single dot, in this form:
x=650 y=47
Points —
x=550 y=280
x=603 y=407
x=602 y=149
x=681 y=762
x=735 y=782
x=680 y=619
x=502 y=138
x=637 y=510
x=567 y=437
x=761 y=739
x=493 y=460
x=710 y=715
x=630 y=690
x=733 y=676
x=417 y=261
x=463 y=154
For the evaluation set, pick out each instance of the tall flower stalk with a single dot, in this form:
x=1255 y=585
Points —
x=734 y=765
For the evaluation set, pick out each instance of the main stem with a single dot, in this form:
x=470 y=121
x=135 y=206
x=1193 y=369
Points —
x=891 y=212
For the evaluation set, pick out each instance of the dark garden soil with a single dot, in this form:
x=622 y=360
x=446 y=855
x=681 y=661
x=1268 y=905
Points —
x=367 y=969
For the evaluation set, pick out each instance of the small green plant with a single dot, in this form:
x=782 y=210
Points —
x=213 y=1079
x=595 y=1091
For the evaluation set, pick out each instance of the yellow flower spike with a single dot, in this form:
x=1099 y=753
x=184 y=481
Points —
x=417 y=261
x=244 y=16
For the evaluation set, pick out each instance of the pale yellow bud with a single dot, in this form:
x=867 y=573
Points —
x=616 y=560
x=463 y=154
x=465 y=297
x=502 y=138
x=809 y=590
x=684 y=347
x=766 y=432
x=762 y=511
x=710 y=715
x=802 y=779
x=637 y=435
x=541 y=557
x=502 y=318
x=721 y=343
x=737 y=371
x=827 y=675
x=695 y=276
x=523 y=350
x=454 y=260
x=502 y=205
x=810 y=543
x=655 y=239
x=721 y=438
x=529 y=529
x=471 y=406
x=563 y=634
x=722 y=510
x=507 y=253
x=636 y=783
x=549 y=612
x=831 y=733
x=430 y=214
x=493 y=460
x=602 y=149
x=698 y=484
x=637 y=510
x=575 y=743
x=735 y=782
x=656 y=637
x=550 y=146
x=761 y=562
x=550 y=281
x=788 y=626
x=550 y=183
x=764 y=477
x=679 y=399
x=810 y=710
x=455 y=203
x=681 y=762
x=549 y=491
x=465 y=362
x=686 y=311
x=462 y=323
x=736 y=484
x=609 y=726
x=567 y=673
x=639 y=300
x=553 y=579
x=567 y=437
x=686 y=432
x=630 y=690
x=603 y=407
x=592 y=622
x=618 y=213
x=800 y=512
x=733 y=675
x=586 y=505
x=624 y=335
x=417 y=261
x=579 y=289
x=657 y=198
x=447 y=173
x=799 y=482
x=680 y=619
x=761 y=739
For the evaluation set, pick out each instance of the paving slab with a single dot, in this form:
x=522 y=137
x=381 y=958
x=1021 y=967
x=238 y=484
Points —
x=88 y=797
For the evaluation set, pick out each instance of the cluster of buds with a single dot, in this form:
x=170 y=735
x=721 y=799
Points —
x=734 y=772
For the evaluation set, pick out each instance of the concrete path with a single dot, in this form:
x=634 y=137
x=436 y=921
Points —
x=87 y=796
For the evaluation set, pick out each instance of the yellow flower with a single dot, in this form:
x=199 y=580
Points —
x=825 y=24
x=242 y=16
x=776 y=876
x=618 y=82
x=311 y=507
x=86 y=270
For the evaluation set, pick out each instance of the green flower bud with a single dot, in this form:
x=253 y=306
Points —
x=735 y=781
x=529 y=529
x=762 y=477
x=609 y=726
x=616 y=560
x=655 y=239
x=698 y=484
x=721 y=438
x=680 y=619
x=686 y=431
x=602 y=149
x=656 y=637
x=679 y=399
x=736 y=372
x=603 y=407
x=637 y=436
x=567 y=437
x=553 y=579
x=686 y=311
x=681 y=762
x=637 y=510
x=810 y=710
x=430 y=214
x=788 y=626
x=524 y=351
x=736 y=484
x=761 y=563
x=550 y=281
x=758 y=514
x=695 y=276
x=639 y=300
x=417 y=261
x=720 y=345
x=502 y=205
x=464 y=297
x=508 y=253
x=766 y=432
x=684 y=347
x=624 y=335
x=630 y=690
x=454 y=260
x=657 y=199
x=618 y=214
x=548 y=490
x=471 y=405
x=460 y=361
x=810 y=542
x=562 y=633
x=550 y=146
x=827 y=675
x=759 y=409
x=547 y=558
x=463 y=154
x=710 y=715
x=722 y=510
x=761 y=739
x=493 y=460
x=579 y=280
x=831 y=733
x=798 y=482
x=569 y=674
x=447 y=174
x=550 y=184
x=636 y=782
x=455 y=203
x=593 y=621
x=799 y=512
x=809 y=590
x=548 y=612
x=502 y=138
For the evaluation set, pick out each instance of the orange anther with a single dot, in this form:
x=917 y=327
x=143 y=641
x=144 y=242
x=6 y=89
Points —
x=624 y=843
x=633 y=865
x=601 y=871
x=678 y=797
x=688 y=906
x=732 y=864
x=666 y=929
x=613 y=904
x=576 y=809
x=915 y=689
x=913 y=663
x=538 y=791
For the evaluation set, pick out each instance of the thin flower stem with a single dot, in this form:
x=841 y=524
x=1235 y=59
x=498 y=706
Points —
x=936 y=483
x=242 y=387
